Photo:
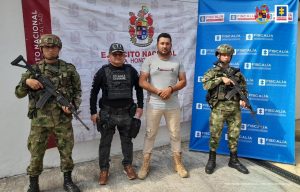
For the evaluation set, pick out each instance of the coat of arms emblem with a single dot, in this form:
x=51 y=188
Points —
x=262 y=14
x=141 y=30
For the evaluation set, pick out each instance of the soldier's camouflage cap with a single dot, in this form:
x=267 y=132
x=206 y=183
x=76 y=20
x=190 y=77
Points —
x=224 y=49
x=50 y=40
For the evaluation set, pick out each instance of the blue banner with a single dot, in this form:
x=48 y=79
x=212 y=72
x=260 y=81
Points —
x=264 y=35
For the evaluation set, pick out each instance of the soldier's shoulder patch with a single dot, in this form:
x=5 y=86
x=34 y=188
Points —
x=212 y=70
x=70 y=66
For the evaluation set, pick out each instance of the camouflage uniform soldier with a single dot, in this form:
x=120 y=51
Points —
x=52 y=118
x=218 y=84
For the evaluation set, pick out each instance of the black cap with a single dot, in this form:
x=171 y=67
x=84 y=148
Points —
x=116 y=47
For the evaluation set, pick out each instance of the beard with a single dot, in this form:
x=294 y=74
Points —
x=165 y=53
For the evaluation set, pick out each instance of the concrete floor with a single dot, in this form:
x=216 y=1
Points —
x=295 y=169
x=162 y=177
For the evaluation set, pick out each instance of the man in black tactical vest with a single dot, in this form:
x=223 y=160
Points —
x=117 y=108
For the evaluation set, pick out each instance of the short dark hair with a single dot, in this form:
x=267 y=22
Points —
x=165 y=35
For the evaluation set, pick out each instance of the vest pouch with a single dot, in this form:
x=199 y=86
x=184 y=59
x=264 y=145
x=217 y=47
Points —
x=64 y=79
x=119 y=94
x=103 y=121
x=31 y=113
x=32 y=110
x=222 y=92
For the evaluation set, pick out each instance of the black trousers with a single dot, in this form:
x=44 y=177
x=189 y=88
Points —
x=120 y=119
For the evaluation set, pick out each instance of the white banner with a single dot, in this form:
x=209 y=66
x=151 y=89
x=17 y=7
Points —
x=88 y=27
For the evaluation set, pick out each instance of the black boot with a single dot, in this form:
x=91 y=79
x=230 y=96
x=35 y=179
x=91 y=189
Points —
x=34 y=184
x=211 y=163
x=68 y=183
x=235 y=163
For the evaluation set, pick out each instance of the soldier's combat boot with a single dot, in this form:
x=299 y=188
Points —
x=68 y=183
x=211 y=163
x=178 y=165
x=144 y=170
x=235 y=163
x=34 y=184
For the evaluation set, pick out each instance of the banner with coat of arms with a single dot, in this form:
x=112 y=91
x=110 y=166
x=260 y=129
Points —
x=88 y=27
x=264 y=36
x=140 y=29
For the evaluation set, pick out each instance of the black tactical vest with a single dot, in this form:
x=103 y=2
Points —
x=118 y=83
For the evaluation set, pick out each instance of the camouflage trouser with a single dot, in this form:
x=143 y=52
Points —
x=37 y=145
x=233 y=119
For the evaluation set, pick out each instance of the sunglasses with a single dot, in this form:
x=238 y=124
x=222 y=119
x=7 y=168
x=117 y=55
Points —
x=117 y=54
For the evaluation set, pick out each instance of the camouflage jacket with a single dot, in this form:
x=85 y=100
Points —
x=213 y=83
x=66 y=80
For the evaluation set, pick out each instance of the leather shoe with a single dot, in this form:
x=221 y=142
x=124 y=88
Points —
x=129 y=171
x=103 y=178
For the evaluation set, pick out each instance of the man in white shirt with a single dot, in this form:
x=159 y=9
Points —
x=162 y=76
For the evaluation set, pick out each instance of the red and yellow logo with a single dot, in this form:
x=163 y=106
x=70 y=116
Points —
x=262 y=14
x=140 y=27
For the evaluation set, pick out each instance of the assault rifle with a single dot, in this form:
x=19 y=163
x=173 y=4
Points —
x=236 y=89
x=49 y=89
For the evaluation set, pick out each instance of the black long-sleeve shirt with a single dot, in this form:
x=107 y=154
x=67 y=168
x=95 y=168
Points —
x=99 y=82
